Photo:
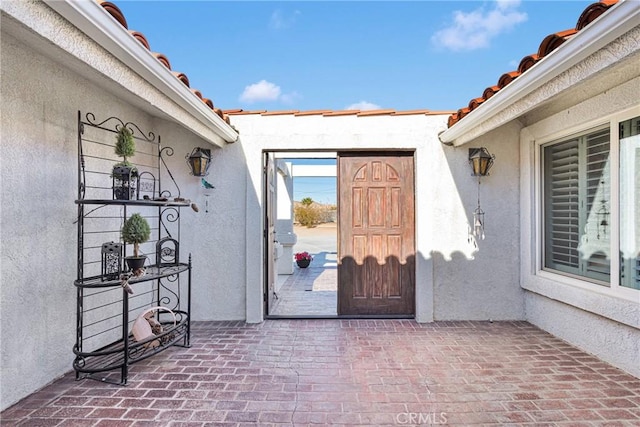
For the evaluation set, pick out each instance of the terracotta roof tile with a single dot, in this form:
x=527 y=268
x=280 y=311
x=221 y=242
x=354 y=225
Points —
x=341 y=113
x=182 y=77
x=548 y=45
x=553 y=41
x=528 y=62
x=163 y=59
x=311 y=113
x=463 y=112
x=243 y=113
x=117 y=14
x=410 y=112
x=475 y=102
x=507 y=78
x=437 y=113
x=376 y=113
x=333 y=113
x=592 y=12
x=490 y=91
x=141 y=38
x=279 y=113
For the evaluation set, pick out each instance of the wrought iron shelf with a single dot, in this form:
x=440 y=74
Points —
x=109 y=301
x=112 y=356
x=153 y=272
x=157 y=203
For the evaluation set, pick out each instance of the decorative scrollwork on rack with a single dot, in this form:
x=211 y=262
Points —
x=167 y=252
x=169 y=215
x=169 y=298
x=147 y=184
x=165 y=339
x=119 y=124
x=169 y=152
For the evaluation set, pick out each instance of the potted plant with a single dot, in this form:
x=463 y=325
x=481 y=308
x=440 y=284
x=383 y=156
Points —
x=303 y=259
x=124 y=174
x=136 y=230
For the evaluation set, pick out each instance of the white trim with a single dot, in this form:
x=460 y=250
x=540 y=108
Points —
x=615 y=22
x=613 y=288
x=91 y=18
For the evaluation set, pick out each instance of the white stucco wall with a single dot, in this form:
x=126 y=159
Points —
x=609 y=340
x=600 y=320
x=487 y=286
x=215 y=238
x=449 y=264
x=40 y=100
x=39 y=186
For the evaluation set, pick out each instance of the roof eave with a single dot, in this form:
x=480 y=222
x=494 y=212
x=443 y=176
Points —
x=617 y=21
x=90 y=18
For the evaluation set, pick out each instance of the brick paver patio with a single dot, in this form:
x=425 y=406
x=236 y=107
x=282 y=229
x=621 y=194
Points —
x=350 y=372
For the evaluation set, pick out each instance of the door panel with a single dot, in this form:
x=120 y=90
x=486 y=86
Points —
x=376 y=268
x=270 y=231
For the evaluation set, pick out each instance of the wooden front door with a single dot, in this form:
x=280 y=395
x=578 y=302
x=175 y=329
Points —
x=376 y=263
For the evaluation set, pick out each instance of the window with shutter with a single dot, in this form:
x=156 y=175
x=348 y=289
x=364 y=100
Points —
x=576 y=205
x=630 y=203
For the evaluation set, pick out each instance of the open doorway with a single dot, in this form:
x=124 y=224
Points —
x=303 y=217
x=363 y=246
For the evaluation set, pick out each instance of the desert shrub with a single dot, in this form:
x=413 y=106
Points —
x=308 y=215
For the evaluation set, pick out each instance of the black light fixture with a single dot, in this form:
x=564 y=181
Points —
x=481 y=161
x=199 y=161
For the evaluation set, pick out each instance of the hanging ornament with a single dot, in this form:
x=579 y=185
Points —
x=478 y=223
x=478 y=218
x=603 y=218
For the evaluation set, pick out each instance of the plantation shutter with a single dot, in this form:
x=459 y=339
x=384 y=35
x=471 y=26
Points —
x=598 y=200
x=576 y=187
x=561 y=194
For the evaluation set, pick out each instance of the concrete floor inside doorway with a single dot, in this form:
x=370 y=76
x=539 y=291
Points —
x=350 y=372
x=311 y=291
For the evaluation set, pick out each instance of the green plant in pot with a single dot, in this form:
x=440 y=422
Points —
x=124 y=174
x=135 y=231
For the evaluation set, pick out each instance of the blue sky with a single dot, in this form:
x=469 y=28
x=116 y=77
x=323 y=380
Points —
x=320 y=189
x=351 y=54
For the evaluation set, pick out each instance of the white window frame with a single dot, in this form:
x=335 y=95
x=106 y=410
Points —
x=613 y=287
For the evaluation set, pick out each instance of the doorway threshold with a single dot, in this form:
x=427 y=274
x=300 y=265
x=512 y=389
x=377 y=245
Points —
x=341 y=317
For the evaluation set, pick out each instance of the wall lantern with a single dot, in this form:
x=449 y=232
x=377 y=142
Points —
x=199 y=161
x=481 y=161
